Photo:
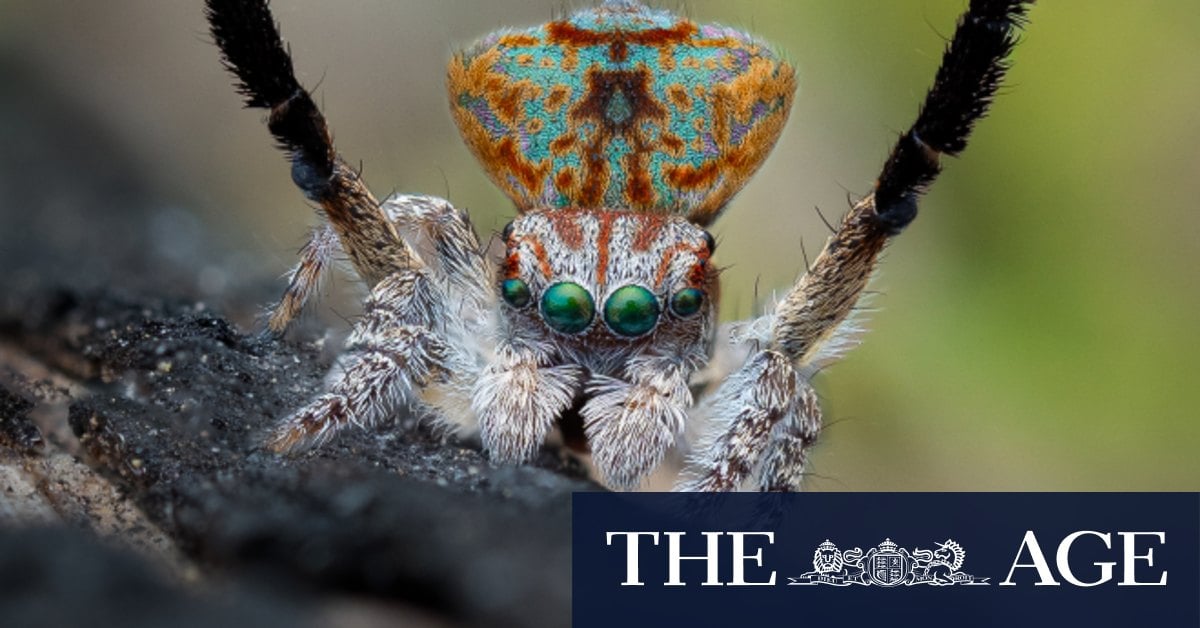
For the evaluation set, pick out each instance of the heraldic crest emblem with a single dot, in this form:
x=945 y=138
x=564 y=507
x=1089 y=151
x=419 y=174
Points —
x=888 y=565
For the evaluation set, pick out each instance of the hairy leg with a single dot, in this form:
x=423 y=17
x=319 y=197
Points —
x=451 y=245
x=517 y=400
x=399 y=344
x=765 y=396
x=757 y=431
x=396 y=349
x=444 y=236
x=631 y=424
x=305 y=278
x=409 y=339
x=784 y=462
x=253 y=51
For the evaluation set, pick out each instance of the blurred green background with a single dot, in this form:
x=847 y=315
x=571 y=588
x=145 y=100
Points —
x=1038 y=326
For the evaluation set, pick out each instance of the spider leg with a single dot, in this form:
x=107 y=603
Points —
x=401 y=351
x=305 y=278
x=518 y=398
x=395 y=350
x=631 y=424
x=407 y=342
x=766 y=415
x=251 y=48
x=447 y=232
x=765 y=396
x=408 y=348
x=786 y=456
x=444 y=235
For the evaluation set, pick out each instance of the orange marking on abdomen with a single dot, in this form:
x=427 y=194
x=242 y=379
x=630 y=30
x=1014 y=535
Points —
x=641 y=188
x=671 y=144
x=688 y=177
x=618 y=51
x=564 y=180
x=563 y=144
x=518 y=40
x=571 y=36
x=508 y=154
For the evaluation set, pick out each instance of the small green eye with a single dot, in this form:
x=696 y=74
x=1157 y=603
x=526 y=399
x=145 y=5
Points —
x=567 y=307
x=687 y=302
x=515 y=292
x=631 y=311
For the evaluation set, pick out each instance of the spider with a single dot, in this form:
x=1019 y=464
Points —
x=620 y=133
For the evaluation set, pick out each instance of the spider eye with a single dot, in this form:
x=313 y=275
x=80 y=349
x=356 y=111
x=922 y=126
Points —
x=631 y=311
x=515 y=292
x=567 y=307
x=506 y=234
x=687 y=302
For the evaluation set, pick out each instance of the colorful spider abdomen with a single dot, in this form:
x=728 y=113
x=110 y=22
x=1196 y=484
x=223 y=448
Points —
x=621 y=107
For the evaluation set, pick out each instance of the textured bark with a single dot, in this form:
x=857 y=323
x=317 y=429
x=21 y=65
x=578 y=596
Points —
x=133 y=411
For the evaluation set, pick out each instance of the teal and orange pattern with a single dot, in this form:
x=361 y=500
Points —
x=621 y=107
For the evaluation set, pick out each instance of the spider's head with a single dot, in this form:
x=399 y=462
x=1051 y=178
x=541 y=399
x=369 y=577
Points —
x=599 y=279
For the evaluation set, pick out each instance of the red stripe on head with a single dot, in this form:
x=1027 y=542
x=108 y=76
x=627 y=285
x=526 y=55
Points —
x=512 y=265
x=566 y=225
x=539 y=251
x=664 y=266
x=603 y=238
x=650 y=226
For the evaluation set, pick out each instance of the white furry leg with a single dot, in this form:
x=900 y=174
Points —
x=765 y=394
x=630 y=426
x=786 y=456
x=395 y=350
x=517 y=402
x=445 y=238
x=442 y=233
x=305 y=278
x=369 y=385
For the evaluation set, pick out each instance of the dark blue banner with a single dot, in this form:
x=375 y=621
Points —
x=887 y=559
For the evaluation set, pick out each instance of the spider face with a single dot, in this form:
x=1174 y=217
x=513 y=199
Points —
x=607 y=284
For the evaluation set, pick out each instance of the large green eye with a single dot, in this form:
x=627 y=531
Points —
x=687 y=302
x=631 y=311
x=567 y=307
x=515 y=292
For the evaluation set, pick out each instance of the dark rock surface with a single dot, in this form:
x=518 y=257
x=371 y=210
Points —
x=60 y=577
x=168 y=401
x=16 y=430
